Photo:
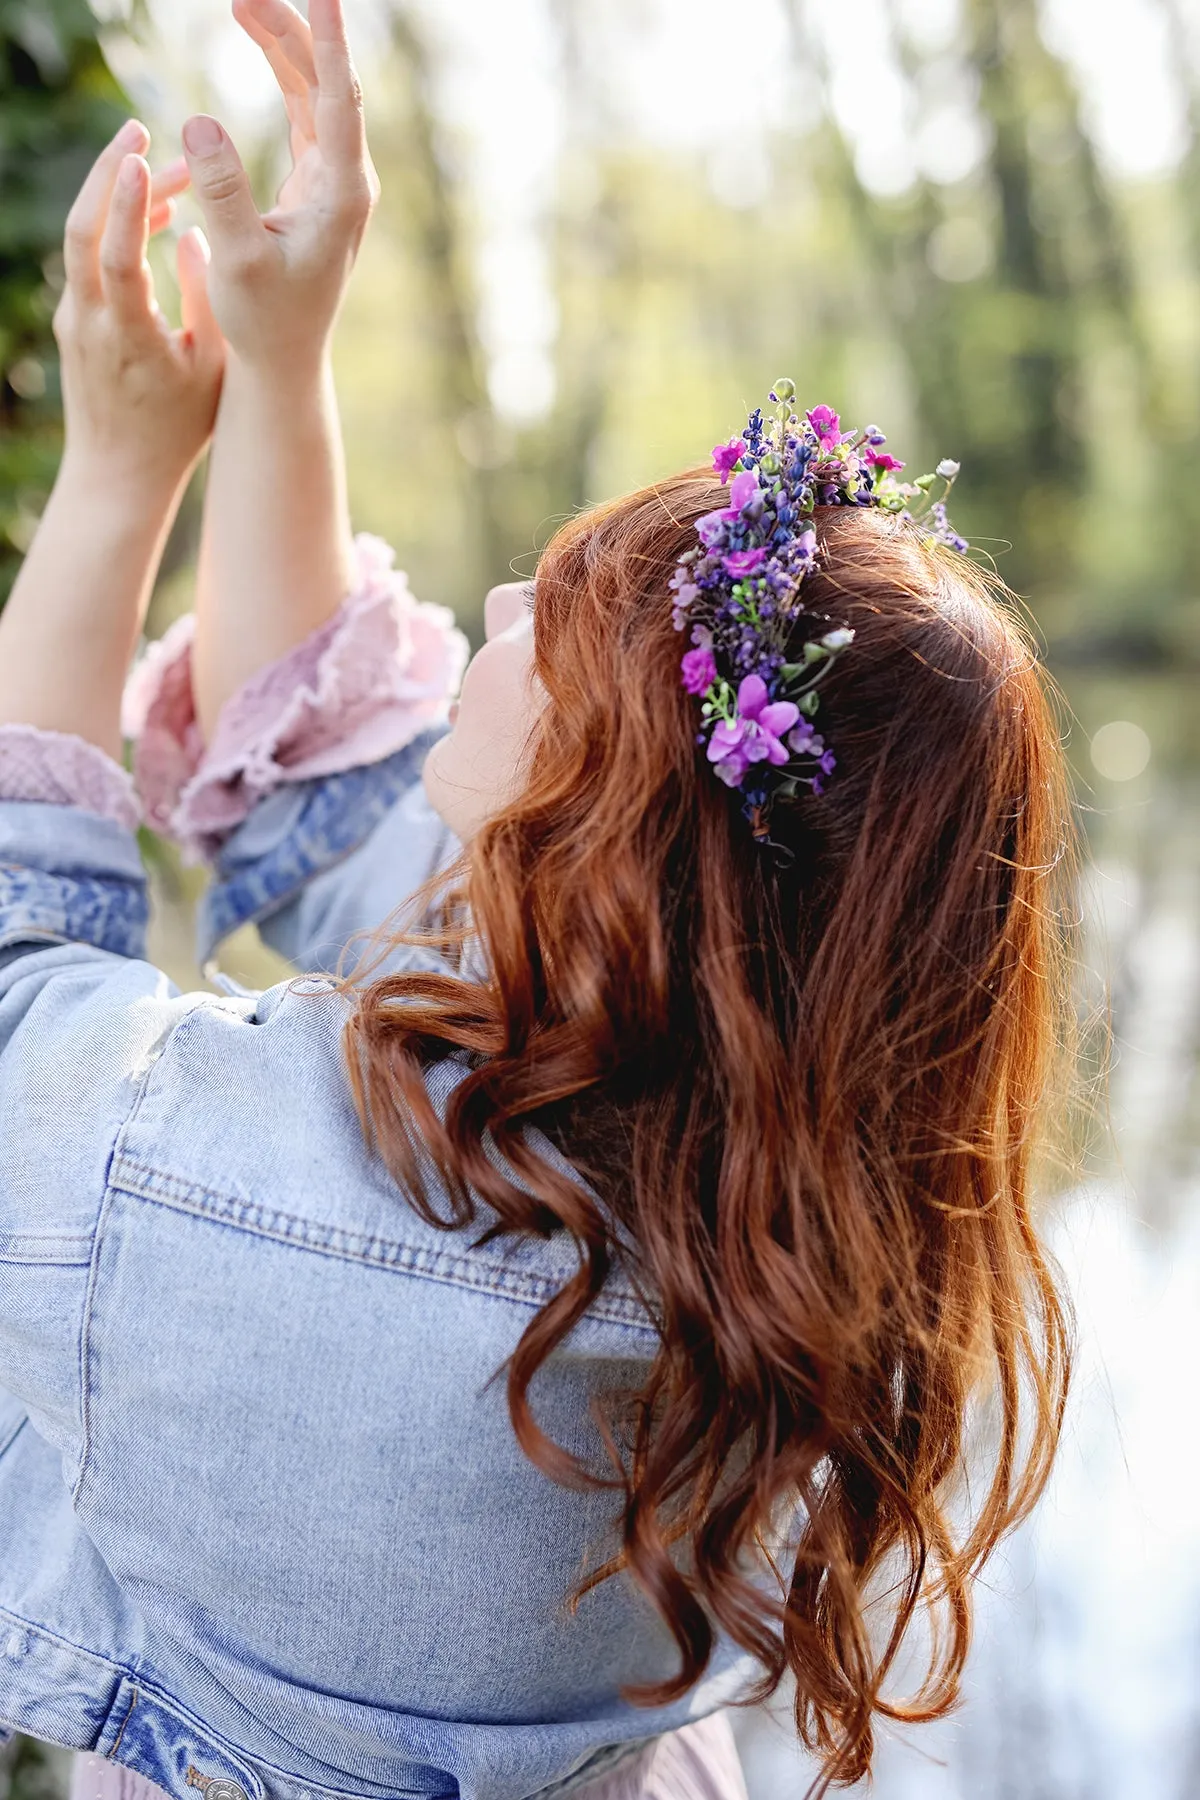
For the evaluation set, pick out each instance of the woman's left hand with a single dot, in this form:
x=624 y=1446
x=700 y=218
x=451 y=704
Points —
x=140 y=399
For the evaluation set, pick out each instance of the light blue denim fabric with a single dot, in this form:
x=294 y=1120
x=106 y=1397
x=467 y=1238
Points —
x=266 y=1531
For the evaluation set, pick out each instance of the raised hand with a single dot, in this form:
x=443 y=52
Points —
x=277 y=280
x=140 y=399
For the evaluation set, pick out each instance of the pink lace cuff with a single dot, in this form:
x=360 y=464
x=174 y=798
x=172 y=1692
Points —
x=64 y=770
x=358 y=689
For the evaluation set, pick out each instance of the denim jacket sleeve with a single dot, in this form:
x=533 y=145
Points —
x=81 y=1022
x=321 y=860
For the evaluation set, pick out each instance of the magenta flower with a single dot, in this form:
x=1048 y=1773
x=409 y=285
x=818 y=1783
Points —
x=699 y=670
x=754 y=736
x=726 y=457
x=827 y=425
x=744 y=562
x=743 y=491
x=881 y=460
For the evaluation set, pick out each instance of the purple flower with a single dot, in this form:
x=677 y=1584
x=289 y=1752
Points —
x=944 y=531
x=745 y=562
x=726 y=457
x=804 y=741
x=806 y=546
x=699 y=670
x=881 y=460
x=726 y=754
x=754 y=736
x=711 y=528
x=827 y=425
x=743 y=491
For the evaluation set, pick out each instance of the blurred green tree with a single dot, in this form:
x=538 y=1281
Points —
x=59 y=103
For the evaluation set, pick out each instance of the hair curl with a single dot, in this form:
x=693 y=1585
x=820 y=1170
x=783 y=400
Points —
x=810 y=1095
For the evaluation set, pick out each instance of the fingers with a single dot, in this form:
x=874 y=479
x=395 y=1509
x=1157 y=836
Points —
x=281 y=31
x=199 y=322
x=291 y=63
x=86 y=219
x=340 y=130
x=223 y=191
x=161 y=217
x=125 y=277
x=170 y=181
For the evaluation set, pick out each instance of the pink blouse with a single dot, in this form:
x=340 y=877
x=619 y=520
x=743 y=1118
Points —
x=359 y=688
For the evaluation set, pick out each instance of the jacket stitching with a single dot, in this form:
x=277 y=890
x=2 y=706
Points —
x=116 y=1743
x=59 y=1642
x=28 y=1248
x=85 y=1324
x=521 y=1286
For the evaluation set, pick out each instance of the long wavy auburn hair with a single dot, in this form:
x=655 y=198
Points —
x=809 y=1093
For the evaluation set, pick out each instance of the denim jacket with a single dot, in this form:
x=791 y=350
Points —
x=266 y=1529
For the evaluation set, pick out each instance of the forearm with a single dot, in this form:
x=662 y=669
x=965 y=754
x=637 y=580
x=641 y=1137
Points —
x=276 y=552
x=74 y=616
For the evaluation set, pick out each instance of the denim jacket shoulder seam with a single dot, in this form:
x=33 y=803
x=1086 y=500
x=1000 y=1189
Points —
x=522 y=1287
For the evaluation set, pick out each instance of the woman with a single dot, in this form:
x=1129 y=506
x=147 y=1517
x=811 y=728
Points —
x=701 y=1107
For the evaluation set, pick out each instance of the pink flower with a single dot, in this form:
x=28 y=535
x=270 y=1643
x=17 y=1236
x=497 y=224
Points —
x=726 y=457
x=745 y=562
x=699 y=670
x=754 y=736
x=827 y=425
x=743 y=491
x=881 y=460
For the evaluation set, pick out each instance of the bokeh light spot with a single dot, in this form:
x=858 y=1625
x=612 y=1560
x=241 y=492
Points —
x=1120 y=751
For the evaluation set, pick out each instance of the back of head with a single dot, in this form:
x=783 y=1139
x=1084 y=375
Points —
x=805 y=1079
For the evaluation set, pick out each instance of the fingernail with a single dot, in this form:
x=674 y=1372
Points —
x=132 y=135
x=202 y=135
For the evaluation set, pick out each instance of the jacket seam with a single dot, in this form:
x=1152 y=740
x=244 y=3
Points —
x=63 y=1643
x=85 y=1324
x=133 y=1699
x=141 y=1181
x=9 y=1438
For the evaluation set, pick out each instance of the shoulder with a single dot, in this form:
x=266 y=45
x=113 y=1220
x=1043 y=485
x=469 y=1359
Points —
x=248 y=1121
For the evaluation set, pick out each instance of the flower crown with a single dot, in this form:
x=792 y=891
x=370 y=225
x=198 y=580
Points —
x=739 y=590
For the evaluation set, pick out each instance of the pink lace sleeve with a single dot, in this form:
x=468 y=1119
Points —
x=64 y=770
x=358 y=689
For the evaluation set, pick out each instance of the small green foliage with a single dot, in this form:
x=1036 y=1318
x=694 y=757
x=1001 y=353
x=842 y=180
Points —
x=59 y=104
x=33 y=1771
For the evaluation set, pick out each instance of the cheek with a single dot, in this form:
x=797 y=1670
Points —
x=474 y=771
x=495 y=701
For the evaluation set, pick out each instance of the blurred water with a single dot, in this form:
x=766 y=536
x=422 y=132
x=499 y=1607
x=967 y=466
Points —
x=1084 y=1681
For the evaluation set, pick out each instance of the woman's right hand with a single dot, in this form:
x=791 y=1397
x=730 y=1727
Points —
x=277 y=280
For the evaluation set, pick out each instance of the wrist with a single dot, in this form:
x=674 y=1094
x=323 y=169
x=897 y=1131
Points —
x=286 y=385
x=126 y=489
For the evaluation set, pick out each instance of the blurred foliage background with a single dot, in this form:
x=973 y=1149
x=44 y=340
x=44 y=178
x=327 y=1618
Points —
x=1006 y=296
x=986 y=279
x=1029 y=313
